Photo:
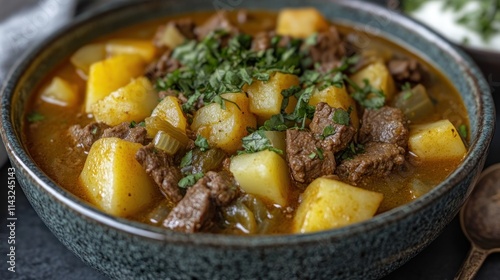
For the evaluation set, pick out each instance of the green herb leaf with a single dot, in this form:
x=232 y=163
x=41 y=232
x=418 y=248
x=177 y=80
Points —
x=341 y=117
x=367 y=96
x=202 y=143
x=349 y=152
x=35 y=117
x=187 y=159
x=190 y=180
x=462 y=130
x=327 y=131
x=256 y=142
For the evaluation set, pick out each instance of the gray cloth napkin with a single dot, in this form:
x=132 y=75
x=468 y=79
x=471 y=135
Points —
x=22 y=24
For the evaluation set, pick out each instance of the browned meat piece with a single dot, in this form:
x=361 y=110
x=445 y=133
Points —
x=261 y=41
x=222 y=185
x=185 y=26
x=194 y=212
x=387 y=125
x=136 y=134
x=161 y=67
x=378 y=159
x=342 y=134
x=307 y=161
x=406 y=70
x=87 y=135
x=219 y=21
x=329 y=49
x=162 y=169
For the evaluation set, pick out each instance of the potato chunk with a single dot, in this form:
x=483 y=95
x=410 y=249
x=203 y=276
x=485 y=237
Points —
x=133 y=102
x=224 y=128
x=300 y=23
x=265 y=96
x=88 y=55
x=170 y=36
x=328 y=204
x=436 y=141
x=170 y=110
x=336 y=98
x=111 y=74
x=115 y=182
x=379 y=77
x=264 y=174
x=61 y=92
x=144 y=48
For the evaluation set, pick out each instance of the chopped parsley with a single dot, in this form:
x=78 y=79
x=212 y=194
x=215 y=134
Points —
x=407 y=91
x=189 y=180
x=35 y=117
x=327 y=131
x=318 y=153
x=367 y=96
x=341 y=117
x=462 y=130
x=258 y=141
x=349 y=152
x=202 y=143
x=187 y=159
x=135 y=124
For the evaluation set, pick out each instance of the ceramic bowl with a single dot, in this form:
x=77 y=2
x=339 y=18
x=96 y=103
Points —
x=130 y=250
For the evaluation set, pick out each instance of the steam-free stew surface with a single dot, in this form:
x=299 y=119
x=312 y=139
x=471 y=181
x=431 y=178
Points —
x=48 y=141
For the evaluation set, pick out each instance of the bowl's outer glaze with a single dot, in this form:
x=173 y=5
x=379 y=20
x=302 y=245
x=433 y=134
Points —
x=128 y=250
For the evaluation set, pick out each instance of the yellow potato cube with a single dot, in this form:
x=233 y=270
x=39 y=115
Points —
x=61 y=92
x=379 y=77
x=266 y=97
x=170 y=110
x=144 y=48
x=133 y=102
x=111 y=74
x=300 y=23
x=114 y=181
x=224 y=128
x=88 y=55
x=436 y=141
x=170 y=36
x=263 y=174
x=336 y=98
x=328 y=203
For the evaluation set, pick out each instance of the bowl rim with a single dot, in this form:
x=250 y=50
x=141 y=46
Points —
x=476 y=150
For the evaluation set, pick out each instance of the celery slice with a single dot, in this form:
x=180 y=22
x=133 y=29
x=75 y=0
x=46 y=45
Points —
x=166 y=143
x=155 y=124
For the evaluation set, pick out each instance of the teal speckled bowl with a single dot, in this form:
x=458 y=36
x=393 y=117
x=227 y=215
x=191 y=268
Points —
x=129 y=250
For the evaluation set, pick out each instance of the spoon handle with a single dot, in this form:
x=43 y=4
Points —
x=472 y=264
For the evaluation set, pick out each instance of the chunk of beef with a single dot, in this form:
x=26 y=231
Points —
x=222 y=185
x=87 y=135
x=329 y=49
x=219 y=21
x=161 y=67
x=387 y=125
x=185 y=27
x=162 y=169
x=261 y=41
x=306 y=160
x=342 y=135
x=378 y=159
x=406 y=70
x=136 y=134
x=194 y=212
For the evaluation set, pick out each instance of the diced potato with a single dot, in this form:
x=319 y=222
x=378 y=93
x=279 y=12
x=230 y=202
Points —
x=436 y=141
x=266 y=98
x=61 y=92
x=224 y=128
x=111 y=74
x=277 y=139
x=328 y=203
x=336 y=98
x=170 y=37
x=170 y=110
x=263 y=174
x=88 y=55
x=144 y=48
x=379 y=77
x=133 y=102
x=300 y=23
x=115 y=182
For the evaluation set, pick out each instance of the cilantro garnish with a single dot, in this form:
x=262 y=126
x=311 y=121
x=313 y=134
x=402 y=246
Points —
x=349 y=152
x=318 y=153
x=407 y=92
x=202 y=143
x=187 y=159
x=462 y=130
x=35 y=117
x=190 y=180
x=341 y=117
x=256 y=142
x=367 y=96
x=327 y=131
